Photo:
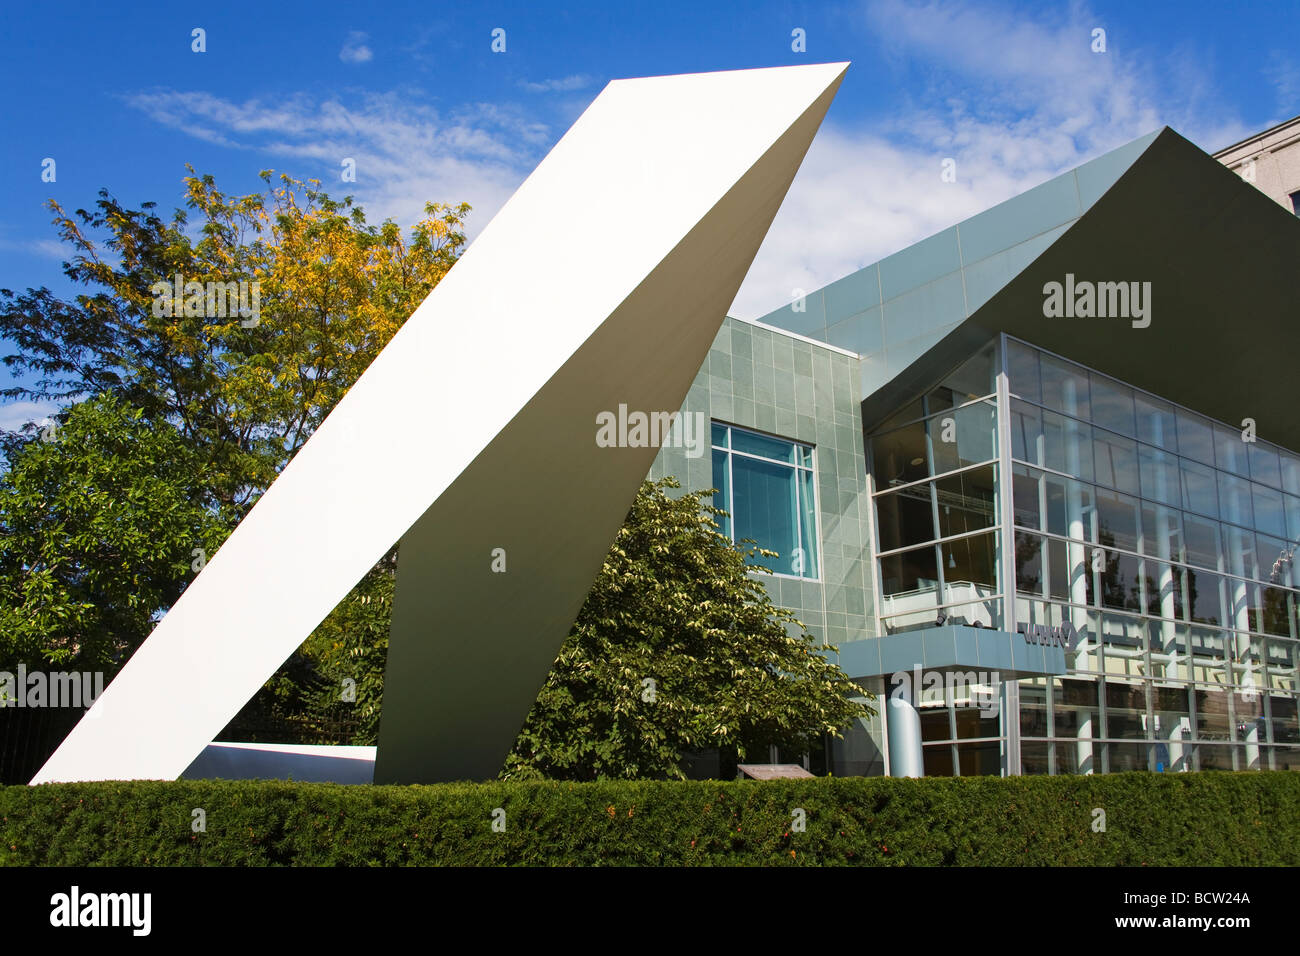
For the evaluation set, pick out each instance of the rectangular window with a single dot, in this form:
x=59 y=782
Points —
x=766 y=485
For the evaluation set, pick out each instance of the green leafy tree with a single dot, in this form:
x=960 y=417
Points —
x=220 y=400
x=102 y=523
x=678 y=648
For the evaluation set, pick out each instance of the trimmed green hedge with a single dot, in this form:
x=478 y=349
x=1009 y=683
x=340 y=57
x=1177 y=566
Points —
x=1247 y=819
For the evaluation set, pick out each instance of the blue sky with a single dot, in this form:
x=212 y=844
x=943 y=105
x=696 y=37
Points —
x=413 y=92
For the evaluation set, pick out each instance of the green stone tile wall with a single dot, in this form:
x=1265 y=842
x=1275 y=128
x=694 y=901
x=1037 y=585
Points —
x=769 y=381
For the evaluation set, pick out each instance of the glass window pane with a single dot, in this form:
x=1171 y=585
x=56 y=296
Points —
x=973 y=379
x=1164 y=589
x=1201 y=538
x=1117 y=520
x=908 y=572
x=1115 y=462
x=1159 y=473
x=1112 y=405
x=966 y=501
x=1274 y=559
x=808 y=563
x=1234 y=500
x=905 y=517
x=909 y=412
x=1022 y=372
x=1195 y=437
x=1276 y=611
x=1200 y=490
x=1156 y=424
x=1069 y=504
x=1120 y=582
x=720 y=435
x=1026 y=432
x=1065 y=387
x=1025 y=484
x=1290 y=471
x=1264 y=464
x=764 y=505
x=722 y=499
x=1067 y=446
x=1029 y=563
x=1292 y=506
x=1205 y=597
x=970 y=567
x=963 y=437
x=900 y=456
x=1239 y=551
x=1162 y=532
x=1270 y=516
x=755 y=444
x=1230 y=451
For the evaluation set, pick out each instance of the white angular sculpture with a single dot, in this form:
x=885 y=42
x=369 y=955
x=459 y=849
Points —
x=603 y=280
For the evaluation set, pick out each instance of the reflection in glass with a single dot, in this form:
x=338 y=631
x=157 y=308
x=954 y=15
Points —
x=1195 y=437
x=1065 y=387
x=1234 y=501
x=966 y=501
x=1230 y=451
x=1270 y=515
x=905 y=517
x=1022 y=372
x=1115 y=461
x=963 y=437
x=1200 y=491
x=1156 y=424
x=900 y=456
x=1264 y=465
x=1159 y=474
x=1025 y=487
x=1112 y=405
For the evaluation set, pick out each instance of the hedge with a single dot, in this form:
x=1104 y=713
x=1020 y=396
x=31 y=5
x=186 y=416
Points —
x=1243 y=819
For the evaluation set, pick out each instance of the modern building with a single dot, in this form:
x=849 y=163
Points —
x=1038 y=476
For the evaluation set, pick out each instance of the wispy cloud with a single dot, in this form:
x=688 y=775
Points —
x=407 y=152
x=579 y=81
x=44 y=248
x=1013 y=99
x=1284 y=73
x=15 y=415
x=355 y=49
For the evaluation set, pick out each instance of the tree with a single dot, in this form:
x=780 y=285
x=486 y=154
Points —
x=102 y=524
x=217 y=401
x=678 y=648
x=248 y=391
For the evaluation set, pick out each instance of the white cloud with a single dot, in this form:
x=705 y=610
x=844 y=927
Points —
x=407 y=153
x=45 y=248
x=579 y=81
x=355 y=49
x=1014 y=100
x=17 y=414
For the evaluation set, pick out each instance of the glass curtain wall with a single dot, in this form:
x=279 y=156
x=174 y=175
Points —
x=934 y=465
x=935 y=476
x=1168 y=541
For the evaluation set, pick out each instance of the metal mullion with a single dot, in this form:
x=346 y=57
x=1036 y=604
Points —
x=947 y=474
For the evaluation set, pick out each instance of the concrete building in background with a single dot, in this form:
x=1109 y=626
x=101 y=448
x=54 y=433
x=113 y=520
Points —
x=1038 y=476
x=1270 y=160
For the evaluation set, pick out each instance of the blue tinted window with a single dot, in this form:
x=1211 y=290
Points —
x=766 y=484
